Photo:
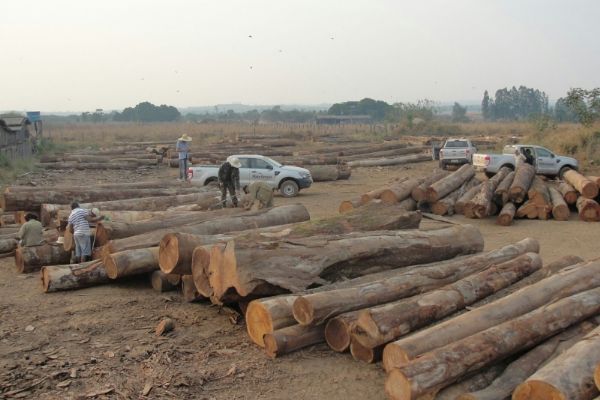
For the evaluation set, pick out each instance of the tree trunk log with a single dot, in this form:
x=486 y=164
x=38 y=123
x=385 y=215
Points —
x=560 y=209
x=571 y=280
x=162 y=282
x=527 y=364
x=459 y=206
x=505 y=218
x=568 y=376
x=419 y=193
x=538 y=194
x=482 y=205
x=292 y=338
x=450 y=183
x=446 y=205
x=445 y=365
x=32 y=258
x=365 y=354
x=381 y=162
x=349 y=205
x=131 y=262
x=501 y=192
x=188 y=289
x=524 y=175
x=384 y=153
x=8 y=245
x=399 y=191
x=583 y=185
x=338 y=331
x=294 y=266
x=479 y=380
x=322 y=173
x=589 y=210
x=73 y=276
x=397 y=284
x=176 y=251
x=380 y=325
x=528 y=210
x=595 y=179
x=568 y=192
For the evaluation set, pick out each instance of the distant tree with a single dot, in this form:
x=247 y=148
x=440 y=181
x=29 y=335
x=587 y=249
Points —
x=148 y=112
x=376 y=109
x=424 y=109
x=563 y=112
x=585 y=104
x=486 y=106
x=517 y=104
x=459 y=113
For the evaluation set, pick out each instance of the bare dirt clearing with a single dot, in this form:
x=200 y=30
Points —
x=101 y=340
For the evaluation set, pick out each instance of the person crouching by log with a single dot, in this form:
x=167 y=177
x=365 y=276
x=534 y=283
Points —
x=79 y=223
x=259 y=195
x=229 y=179
x=30 y=233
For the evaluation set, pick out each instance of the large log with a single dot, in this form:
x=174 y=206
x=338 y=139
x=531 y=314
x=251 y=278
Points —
x=569 y=281
x=560 y=209
x=524 y=175
x=116 y=164
x=481 y=379
x=322 y=173
x=292 y=338
x=317 y=307
x=528 y=210
x=506 y=215
x=381 y=162
x=501 y=192
x=447 y=185
x=384 y=153
x=73 y=276
x=568 y=376
x=8 y=245
x=538 y=194
x=156 y=184
x=446 y=205
x=482 y=205
x=588 y=209
x=293 y=266
x=399 y=191
x=459 y=206
x=445 y=365
x=568 y=192
x=131 y=262
x=338 y=331
x=376 y=193
x=583 y=185
x=380 y=325
x=32 y=258
x=162 y=282
x=349 y=205
x=419 y=193
x=527 y=364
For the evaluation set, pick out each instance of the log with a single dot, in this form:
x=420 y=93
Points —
x=505 y=218
x=384 y=153
x=97 y=165
x=450 y=183
x=443 y=366
x=528 y=210
x=568 y=376
x=155 y=184
x=381 y=162
x=7 y=219
x=459 y=206
x=527 y=364
x=538 y=194
x=419 y=193
x=338 y=331
x=166 y=325
x=295 y=266
x=162 y=282
x=569 y=281
x=349 y=205
x=501 y=192
x=322 y=173
x=399 y=191
x=73 y=276
x=32 y=258
x=588 y=209
x=188 y=289
x=408 y=204
x=380 y=325
x=131 y=262
x=479 y=380
x=583 y=185
x=292 y=338
x=568 y=192
x=176 y=250
x=8 y=245
x=560 y=209
x=316 y=308
x=595 y=179
x=446 y=205
x=524 y=175
x=482 y=205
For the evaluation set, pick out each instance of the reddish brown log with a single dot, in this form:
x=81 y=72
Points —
x=589 y=210
x=560 y=209
x=568 y=192
x=595 y=179
x=501 y=192
x=292 y=338
x=74 y=276
x=459 y=206
x=583 y=185
x=32 y=258
x=528 y=210
x=131 y=262
x=524 y=175
x=482 y=205
x=538 y=194
x=446 y=205
x=506 y=215
x=419 y=193
x=447 y=185
x=176 y=250
x=349 y=205
x=338 y=331
x=399 y=191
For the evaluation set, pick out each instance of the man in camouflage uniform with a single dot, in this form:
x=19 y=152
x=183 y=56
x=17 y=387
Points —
x=229 y=179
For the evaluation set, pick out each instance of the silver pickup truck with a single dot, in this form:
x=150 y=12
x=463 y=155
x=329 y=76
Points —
x=545 y=161
x=286 y=178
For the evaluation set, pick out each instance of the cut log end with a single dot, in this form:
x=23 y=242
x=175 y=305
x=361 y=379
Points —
x=45 y=279
x=397 y=386
x=19 y=262
x=346 y=206
x=200 y=263
x=258 y=322
x=337 y=335
x=537 y=390
x=168 y=254
x=303 y=311
x=102 y=235
x=363 y=353
x=394 y=357
x=111 y=267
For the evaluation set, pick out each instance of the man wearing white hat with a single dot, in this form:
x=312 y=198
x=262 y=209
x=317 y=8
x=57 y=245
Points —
x=183 y=148
x=229 y=179
x=79 y=224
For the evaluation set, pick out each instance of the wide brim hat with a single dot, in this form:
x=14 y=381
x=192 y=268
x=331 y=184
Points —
x=234 y=161
x=185 y=138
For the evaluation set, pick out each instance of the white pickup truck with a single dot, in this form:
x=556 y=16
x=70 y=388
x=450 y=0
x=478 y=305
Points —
x=287 y=179
x=545 y=161
x=456 y=152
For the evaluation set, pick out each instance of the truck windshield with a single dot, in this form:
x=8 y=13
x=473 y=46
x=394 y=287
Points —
x=456 y=143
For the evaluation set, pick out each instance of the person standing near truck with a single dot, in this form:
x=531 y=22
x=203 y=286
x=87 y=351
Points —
x=229 y=179
x=183 y=146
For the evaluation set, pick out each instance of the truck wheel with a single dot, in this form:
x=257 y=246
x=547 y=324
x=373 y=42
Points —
x=289 y=189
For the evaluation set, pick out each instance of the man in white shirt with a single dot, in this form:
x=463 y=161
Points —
x=79 y=223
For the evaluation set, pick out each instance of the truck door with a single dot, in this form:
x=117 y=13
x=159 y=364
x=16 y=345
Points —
x=244 y=171
x=545 y=160
x=260 y=170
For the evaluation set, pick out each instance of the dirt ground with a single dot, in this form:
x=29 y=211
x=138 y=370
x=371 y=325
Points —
x=84 y=343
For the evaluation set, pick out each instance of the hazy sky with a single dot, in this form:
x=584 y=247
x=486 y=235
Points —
x=81 y=55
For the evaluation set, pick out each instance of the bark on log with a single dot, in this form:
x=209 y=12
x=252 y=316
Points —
x=162 y=282
x=32 y=258
x=588 y=209
x=583 y=185
x=8 y=245
x=450 y=183
x=322 y=173
x=538 y=194
x=376 y=193
x=443 y=366
x=501 y=192
x=381 y=162
x=568 y=376
x=338 y=331
x=380 y=325
x=560 y=209
x=482 y=204
x=459 y=206
x=569 y=281
x=384 y=153
x=568 y=192
x=477 y=381
x=7 y=219
x=73 y=276
x=364 y=353
x=527 y=364
x=524 y=175
x=131 y=262
x=188 y=289
x=505 y=218
x=420 y=192
x=445 y=206
x=316 y=308
x=399 y=191
x=294 y=266
x=292 y=338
